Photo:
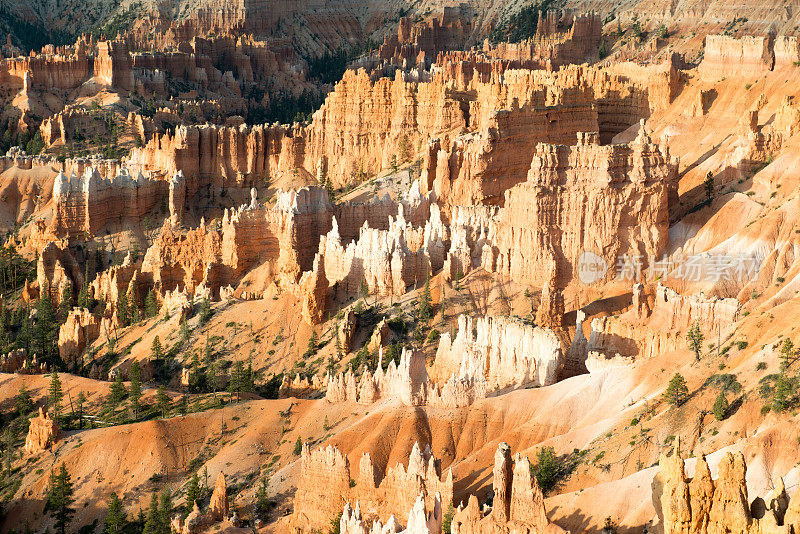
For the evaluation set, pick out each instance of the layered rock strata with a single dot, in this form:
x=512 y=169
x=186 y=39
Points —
x=326 y=482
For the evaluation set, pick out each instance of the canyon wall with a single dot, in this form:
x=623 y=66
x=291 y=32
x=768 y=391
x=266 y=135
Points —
x=85 y=204
x=748 y=56
x=504 y=352
x=656 y=323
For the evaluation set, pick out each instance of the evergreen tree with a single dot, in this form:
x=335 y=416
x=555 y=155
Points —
x=298 y=446
x=65 y=305
x=152 y=523
x=694 y=337
x=312 y=343
x=205 y=310
x=235 y=381
x=55 y=395
x=676 y=392
x=193 y=493
x=211 y=377
x=23 y=402
x=151 y=304
x=45 y=331
x=184 y=330
x=135 y=393
x=83 y=294
x=118 y=391
x=720 y=408
x=80 y=402
x=156 y=351
x=709 y=186
x=123 y=309
x=163 y=402
x=59 y=498
x=165 y=512
x=135 y=314
x=262 y=500
x=115 y=516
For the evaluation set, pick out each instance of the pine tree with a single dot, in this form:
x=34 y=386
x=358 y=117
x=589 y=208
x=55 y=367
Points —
x=45 y=331
x=123 y=310
x=55 y=395
x=184 y=330
x=163 y=402
x=165 y=512
x=694 y=337
x=135 y=393
x=262 y=500
x=211 y=377
x=151 y=304
x=720 y=408
x=676 y=392
x=115 y=516
x=23 y=402
x=298 y=446
x=65 y=305
x=83 y=294
x=152 y=521
x=59 y=498
x=313 y=341
x=235 y=382
x=118 y=391
x=156 y=351
x=80 y=402
x=193 y=493
x=205 y=310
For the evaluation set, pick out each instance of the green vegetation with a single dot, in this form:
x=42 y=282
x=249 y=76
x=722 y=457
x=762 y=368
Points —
x=522 y=24
x=676 y=393
x=694 y=338
x=59 y=498
x=551 y=471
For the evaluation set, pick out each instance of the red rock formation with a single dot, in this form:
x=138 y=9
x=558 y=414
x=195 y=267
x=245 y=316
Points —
x=79 y=331
x=518 y=504
x=218 y=506
x=42 y=433
x=84 y=205
x=656 y=325
x=326 y=483
x=56 y=270
x=745 y=57
x=703 y=505
x=503 y=352
x=544 y=227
